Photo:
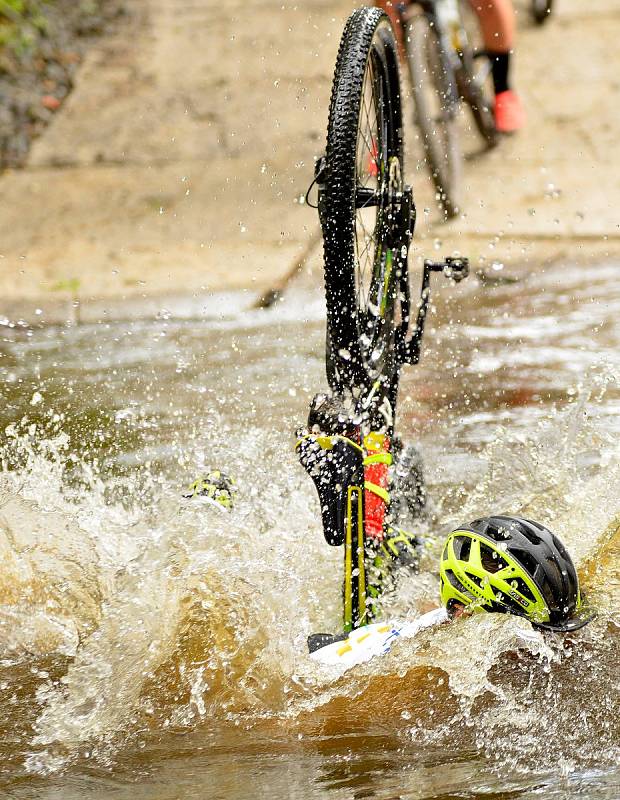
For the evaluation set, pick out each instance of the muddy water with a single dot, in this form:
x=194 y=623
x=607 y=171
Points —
x=153 y=647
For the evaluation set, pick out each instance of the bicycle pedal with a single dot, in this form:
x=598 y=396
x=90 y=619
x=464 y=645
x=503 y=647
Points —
x=452 y=267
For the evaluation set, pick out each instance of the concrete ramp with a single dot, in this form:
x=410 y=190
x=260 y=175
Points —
x=178 y=162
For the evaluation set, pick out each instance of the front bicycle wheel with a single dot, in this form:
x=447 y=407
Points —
x=361 y=187
x=436 y=107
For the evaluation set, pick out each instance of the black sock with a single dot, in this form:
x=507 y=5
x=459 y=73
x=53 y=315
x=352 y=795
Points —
x=500 y=64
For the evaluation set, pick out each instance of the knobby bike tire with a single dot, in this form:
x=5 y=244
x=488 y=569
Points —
x=474 y=79
x=360 y=284
x=480 y=101
x=436 y=110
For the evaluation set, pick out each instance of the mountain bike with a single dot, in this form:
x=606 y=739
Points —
x=367 y=215
x=446 y=68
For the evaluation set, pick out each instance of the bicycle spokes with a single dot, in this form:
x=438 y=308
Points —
x=370 y=170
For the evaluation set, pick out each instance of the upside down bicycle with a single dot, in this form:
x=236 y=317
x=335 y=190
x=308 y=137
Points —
x=367 y=215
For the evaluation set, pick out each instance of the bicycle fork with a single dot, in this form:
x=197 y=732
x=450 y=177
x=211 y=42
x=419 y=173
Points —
x=351 y=479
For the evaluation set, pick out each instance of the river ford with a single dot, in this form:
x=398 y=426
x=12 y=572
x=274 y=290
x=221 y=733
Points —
x=153 y=647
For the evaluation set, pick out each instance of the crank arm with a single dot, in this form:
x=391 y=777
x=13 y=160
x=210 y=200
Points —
x=454 y=268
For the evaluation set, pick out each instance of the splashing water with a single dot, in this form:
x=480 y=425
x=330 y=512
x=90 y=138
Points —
x=135 y=623
x=181 y=613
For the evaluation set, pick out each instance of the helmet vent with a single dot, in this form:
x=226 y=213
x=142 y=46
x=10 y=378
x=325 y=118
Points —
x=530 y=535
x=511 y=603
x=475 y=579
x=553 y=575
x=455 y=582
x=524 y=589
x=491 y=559
x=462 y=547
x=499 y=529
x=526 y=560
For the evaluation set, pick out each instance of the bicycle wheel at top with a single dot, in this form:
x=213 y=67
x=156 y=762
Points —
x=436 y=107
x=363 y=176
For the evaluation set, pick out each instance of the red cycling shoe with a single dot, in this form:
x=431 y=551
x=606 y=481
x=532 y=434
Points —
x=509 y=112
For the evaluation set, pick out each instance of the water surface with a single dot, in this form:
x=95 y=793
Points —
x=154 y=647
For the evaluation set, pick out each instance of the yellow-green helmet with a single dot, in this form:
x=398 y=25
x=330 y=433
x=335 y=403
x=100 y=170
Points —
x=514 y=566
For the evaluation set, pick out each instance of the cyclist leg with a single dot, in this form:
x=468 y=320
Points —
x=391 y=8
x=497 y=23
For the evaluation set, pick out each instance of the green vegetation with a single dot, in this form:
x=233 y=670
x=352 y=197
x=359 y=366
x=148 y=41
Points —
x=70 y=285
x=41 y=45
x=22 y=23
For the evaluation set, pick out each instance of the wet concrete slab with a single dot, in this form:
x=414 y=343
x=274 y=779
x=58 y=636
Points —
x=179 y=161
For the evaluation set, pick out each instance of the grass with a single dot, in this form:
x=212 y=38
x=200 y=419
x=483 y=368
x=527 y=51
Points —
x=22 y=23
